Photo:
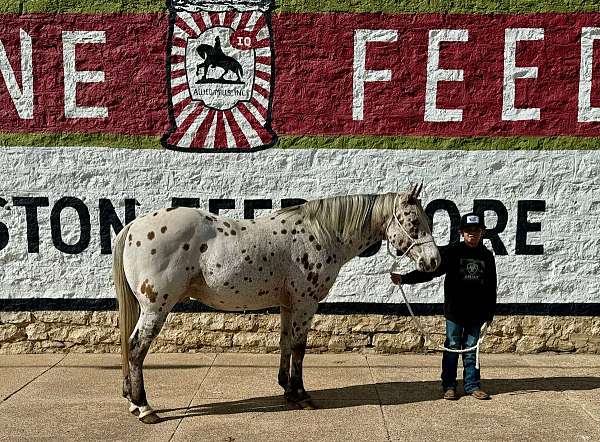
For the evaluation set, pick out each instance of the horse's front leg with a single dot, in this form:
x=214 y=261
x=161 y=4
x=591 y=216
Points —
x=301 y=320
x=285 y=348
x=147 y=328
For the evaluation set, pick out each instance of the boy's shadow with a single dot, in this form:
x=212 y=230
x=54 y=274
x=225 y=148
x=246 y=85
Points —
x=386 y=393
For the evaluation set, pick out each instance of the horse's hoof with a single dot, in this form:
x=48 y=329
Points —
x=307 y=404
x=151 y=418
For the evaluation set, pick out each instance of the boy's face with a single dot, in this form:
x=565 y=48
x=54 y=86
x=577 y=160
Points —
x=472 y=236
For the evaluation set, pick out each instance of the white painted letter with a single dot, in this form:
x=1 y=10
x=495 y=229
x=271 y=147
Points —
x=22 y=99
x=361 y=75
x=72 y=76
x=512 y=72
x=586 y=113
x=436 y=36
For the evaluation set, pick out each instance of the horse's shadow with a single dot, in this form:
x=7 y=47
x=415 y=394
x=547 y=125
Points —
x=386 y=393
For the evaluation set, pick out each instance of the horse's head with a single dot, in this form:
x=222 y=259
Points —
x=409 y=232
x=204 y=50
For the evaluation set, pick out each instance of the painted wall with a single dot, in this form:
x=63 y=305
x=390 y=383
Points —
x=496 y=108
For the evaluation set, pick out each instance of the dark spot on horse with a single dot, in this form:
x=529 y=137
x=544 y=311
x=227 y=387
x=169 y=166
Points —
x=203 y=248
x=282 y=221
x=271 y=273
x=163 y=229
x=208 y=218
x=171 y=208
x=247 y=258
x=311 y=266
x=302 y=231
x=150 y=236
x=226 y=224
x=155 y=213
x=260 y=269
x=329 y=259
x=319 y=265
x=283 y=231
x=266 y=280
x=221 y=302
x=305 y=260
x=226 y=284
x=311 y=238
x=264 y=258
x=272 y=254
x=164 y=303
x=218 y=265
x=318 y=247
x=243 y=250
x=186 y=247
x=243 y=228
x=294 y=231
x=187 y=269
x=138 y=243
x=130 y=237
x=153 y=252
x=160 y=309
x=327 y=279
x=310 y=276
x=237 y=291
x=233 y=232
x=298 y=222
x=219 y=229
x=226 y=234
x=245 y=278
x=165 y=296
x=274 y=232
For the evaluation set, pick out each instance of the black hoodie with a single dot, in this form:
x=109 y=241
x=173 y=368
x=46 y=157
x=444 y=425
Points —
x=470 y=284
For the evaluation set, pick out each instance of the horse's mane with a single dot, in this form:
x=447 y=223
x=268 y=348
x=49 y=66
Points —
x=344 y=217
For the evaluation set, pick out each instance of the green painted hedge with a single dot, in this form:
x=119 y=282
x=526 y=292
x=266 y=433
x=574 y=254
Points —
x=386 y=6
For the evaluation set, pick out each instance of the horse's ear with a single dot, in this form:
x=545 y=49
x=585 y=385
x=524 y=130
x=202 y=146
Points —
x=411 y=194
x=419 y=190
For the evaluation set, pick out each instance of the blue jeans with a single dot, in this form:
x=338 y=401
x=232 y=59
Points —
x=459 y=337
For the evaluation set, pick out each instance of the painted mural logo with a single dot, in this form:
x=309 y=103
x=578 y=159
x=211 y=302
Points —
x=220 y=70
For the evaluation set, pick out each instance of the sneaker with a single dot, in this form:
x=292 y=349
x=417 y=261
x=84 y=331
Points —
x=450 y=394
x=480 y=394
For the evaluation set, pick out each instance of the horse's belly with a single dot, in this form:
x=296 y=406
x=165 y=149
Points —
x=237 y=301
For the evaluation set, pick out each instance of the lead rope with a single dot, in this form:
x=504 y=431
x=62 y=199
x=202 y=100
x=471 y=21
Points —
x=395 y=269
x=427 y=336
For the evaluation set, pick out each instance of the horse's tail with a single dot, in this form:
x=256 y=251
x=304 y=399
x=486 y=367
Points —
x=129 y=309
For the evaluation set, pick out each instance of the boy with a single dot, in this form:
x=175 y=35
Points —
x=469 y=301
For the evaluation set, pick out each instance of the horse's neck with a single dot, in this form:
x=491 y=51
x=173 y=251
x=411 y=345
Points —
x=363 y=238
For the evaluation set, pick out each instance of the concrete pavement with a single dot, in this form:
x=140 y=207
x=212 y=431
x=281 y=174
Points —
x=235 y=397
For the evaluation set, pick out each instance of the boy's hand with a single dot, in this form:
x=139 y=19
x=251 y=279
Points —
x=396 y=279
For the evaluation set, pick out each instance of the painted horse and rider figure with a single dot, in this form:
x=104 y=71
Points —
x=289 y=259
x=214 y=57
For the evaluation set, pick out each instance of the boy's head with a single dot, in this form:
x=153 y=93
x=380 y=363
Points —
x=472 y=228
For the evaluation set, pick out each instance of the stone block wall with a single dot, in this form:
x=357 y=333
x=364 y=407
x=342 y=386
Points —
x=98 y=332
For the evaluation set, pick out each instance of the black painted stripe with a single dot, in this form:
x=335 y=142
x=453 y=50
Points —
x=326 y=308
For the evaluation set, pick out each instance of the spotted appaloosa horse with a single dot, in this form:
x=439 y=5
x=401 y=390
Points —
x=289 y=259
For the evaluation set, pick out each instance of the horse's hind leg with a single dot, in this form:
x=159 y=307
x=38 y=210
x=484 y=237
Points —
x=147 y=328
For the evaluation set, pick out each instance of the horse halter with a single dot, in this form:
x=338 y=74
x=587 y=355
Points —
x=413 y=241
